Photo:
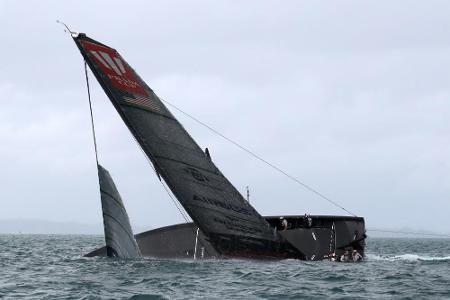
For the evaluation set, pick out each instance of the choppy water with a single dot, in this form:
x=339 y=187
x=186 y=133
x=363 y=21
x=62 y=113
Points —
x=52 y=267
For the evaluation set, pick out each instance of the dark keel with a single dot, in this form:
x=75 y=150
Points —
x=119 y=238
x=314 y=241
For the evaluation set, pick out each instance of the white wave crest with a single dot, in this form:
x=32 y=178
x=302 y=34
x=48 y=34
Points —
x=407 y=257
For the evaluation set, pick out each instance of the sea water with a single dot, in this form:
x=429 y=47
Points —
x=53 y=267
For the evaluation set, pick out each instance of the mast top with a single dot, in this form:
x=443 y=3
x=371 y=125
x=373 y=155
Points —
x=74 y=34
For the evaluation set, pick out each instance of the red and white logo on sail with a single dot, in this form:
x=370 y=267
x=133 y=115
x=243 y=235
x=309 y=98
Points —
x=111 y=63
x=115 y=68
x=121 y=76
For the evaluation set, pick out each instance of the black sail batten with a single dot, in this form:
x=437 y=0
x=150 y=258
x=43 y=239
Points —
x=229 y=222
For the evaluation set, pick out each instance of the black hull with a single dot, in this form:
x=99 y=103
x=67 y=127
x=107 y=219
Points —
x=312 y=240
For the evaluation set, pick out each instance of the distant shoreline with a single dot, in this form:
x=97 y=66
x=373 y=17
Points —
x=28 y=226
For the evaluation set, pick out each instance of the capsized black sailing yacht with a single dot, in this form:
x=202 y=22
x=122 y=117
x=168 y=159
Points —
x=224 y=223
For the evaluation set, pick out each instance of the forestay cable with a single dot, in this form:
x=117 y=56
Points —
x=174 y=200
x=90 y=108
x=309 y=188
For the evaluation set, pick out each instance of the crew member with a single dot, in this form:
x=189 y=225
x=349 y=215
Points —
x=356 y=256
x=207 y=153
x=346 y=256
x=284 y=224
x=307 y=220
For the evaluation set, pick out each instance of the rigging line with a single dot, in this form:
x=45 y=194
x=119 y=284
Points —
x=90 y=108
x=172 y=197
x=175 y=202
x=186 y=219
x=261 y=159
x=409 y=232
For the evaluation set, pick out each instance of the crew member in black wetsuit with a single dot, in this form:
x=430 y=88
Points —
x=284 y=224
x=356 y=256
x=346 y=256
x=207 y=153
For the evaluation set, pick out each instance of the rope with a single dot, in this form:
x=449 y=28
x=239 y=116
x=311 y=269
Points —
x=409 y=232
x=180 y=210
x=309 y=188
x=186 y=219
x=175 y=202
x=90 y=108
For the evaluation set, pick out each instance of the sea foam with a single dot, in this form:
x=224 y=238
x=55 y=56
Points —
x=407 y=257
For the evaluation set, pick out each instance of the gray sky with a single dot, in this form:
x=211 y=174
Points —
x=351 y=97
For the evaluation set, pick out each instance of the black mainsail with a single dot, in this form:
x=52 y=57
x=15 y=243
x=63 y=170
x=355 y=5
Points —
x=229 y=222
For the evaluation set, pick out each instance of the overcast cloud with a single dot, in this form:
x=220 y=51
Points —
x=351 y=97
